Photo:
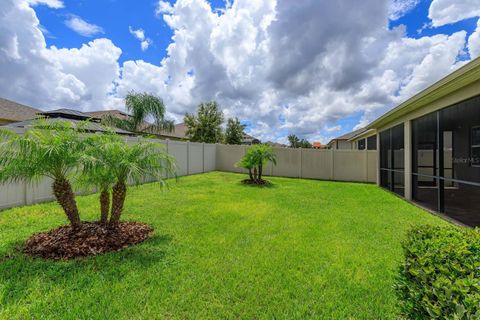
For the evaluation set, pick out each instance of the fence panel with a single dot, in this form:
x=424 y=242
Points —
x=288 y=163
x=209 y=157
x=228 y=155
x=179 y=151
x=317 y=164
x=195 y=158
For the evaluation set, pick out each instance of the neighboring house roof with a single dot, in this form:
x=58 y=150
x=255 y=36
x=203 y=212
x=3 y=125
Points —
x=318 y=145
x=348 y=136
x=114 y=113
x=68 y=114
x=248 y=139
x=13 y=111
x=276 y=144
x=73 y=116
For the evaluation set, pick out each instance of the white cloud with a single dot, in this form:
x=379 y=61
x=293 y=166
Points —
x=398 y=8
x=275 y=63
x=139 y=34
x=443 y=12
x=474 y=42
x=82 y=27
x=333 y=129
x=50 y=78
x=55 y=4
x=163 y=7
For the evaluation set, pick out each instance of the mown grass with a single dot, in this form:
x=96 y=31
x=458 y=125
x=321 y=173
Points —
x=299 y=249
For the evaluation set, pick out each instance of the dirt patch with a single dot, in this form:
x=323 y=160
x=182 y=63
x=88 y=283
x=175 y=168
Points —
x=90 y=239
x=259 y=182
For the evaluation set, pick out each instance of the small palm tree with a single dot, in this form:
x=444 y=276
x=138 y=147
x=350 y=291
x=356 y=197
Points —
x=255 y=160
x=143 y=106
x=125 y=162
x=48 y=149
x=95 y=173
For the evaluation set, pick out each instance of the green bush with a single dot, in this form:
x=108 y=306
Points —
x=440 y=278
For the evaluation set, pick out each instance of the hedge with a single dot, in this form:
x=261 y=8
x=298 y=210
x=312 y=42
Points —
x=440 y=278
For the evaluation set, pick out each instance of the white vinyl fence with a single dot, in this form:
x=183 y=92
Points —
x=194 y=158
x=337 y=165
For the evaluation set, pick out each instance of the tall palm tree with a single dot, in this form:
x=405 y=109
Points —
x=143 y=107
x=130 y=162
x=49 y=150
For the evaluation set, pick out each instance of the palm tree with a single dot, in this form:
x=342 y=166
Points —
x=133 y=162
x=143 y=107
x=255 y=159
x=49 y=150
x=95 y=173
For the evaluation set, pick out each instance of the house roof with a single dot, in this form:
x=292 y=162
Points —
x=13 y=111
x=348 y=136
x=91 y=126
x=460 y=78
x=67 y=114
x=114 y=113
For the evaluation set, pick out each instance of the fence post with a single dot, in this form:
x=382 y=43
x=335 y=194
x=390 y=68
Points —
x=332 y=173
x=166 y=147
x=203 y=157
x=301 y=165
x=188 y=158
x=366 y=165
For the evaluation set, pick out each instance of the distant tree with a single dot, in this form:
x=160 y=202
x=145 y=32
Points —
x=234 y=134
x=206 y=125
x=143 y=107
x=294 y=141
x=304 y=144
x=48 y=149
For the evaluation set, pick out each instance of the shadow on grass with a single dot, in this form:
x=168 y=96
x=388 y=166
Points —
x=20 y=274
x=270 y=185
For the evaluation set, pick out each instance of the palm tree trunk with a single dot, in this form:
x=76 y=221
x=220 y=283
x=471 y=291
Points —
x=250 y=173
x=63 y=192
x=260 y=170
x=255 y=173
x=104 y=206
x=119 y=193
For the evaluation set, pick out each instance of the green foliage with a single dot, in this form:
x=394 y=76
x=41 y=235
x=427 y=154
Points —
x=206 y=125
x=234 y=133
x=256 y=158
x=143 y=107
x=48 y=149
x=440 y=276
x=296 y=142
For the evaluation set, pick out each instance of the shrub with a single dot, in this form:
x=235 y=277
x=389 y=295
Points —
x=440 y=278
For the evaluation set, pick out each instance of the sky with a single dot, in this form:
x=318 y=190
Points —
x=314 y=68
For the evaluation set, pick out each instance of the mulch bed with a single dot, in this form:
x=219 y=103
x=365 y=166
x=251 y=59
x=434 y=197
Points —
x=259 y=182
x=90 y=239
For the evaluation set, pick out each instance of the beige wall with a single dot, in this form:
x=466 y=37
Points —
x=331 y=164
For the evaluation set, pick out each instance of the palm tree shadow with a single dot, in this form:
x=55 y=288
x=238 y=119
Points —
x=19 y=274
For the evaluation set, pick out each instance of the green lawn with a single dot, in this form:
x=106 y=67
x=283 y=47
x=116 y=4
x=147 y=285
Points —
x=221 y=250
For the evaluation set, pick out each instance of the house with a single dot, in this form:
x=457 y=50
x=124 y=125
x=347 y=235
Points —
x=344 y=142
x=72 y=116
x=249 y=140
x=318 y=145
x=276 y=144
x=429 y=146
x=11 y=111
x=179 y=132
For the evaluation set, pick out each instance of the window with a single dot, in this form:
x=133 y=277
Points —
x=475 y=147
x=372 y=143
x=361 y=144
x=392 y=156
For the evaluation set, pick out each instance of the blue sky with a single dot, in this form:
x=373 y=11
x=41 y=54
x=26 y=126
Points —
x=313 y=68
x=114 y=17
